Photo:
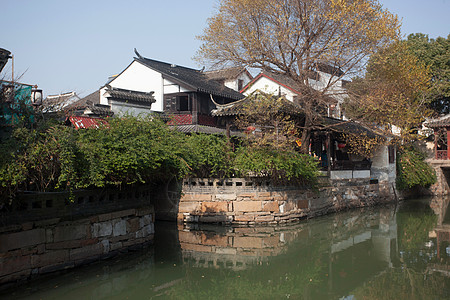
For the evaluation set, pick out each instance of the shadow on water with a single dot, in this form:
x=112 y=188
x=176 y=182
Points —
x=380 y=253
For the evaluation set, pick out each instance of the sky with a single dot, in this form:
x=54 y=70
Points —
x=65 y=46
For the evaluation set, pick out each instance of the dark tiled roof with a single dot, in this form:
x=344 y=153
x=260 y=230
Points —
x=337 y=125
x=192 y=78
x=93 y=98
x=54 y=103
x=441 y=122
x=229 y=73
x=126 y=95
x=203 y=129
x=92 y=104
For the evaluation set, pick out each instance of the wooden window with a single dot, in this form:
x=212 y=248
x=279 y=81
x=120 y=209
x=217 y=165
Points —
x=391 y=151
x=240 y=84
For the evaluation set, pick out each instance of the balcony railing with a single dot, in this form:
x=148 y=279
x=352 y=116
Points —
x=441 y=154
x=187 y=119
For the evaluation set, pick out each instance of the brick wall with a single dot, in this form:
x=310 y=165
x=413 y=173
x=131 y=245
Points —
x=246 y=202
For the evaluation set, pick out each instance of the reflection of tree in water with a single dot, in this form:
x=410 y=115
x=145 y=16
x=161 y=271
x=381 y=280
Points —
x=414 y=225
x=405 y=284
x=414 y=277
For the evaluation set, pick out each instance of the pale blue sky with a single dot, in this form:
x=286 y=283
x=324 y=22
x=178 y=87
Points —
x=65 y=46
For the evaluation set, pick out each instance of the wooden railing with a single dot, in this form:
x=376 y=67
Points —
x=441 y=154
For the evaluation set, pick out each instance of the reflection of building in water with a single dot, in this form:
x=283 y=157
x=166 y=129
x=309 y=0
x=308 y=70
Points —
x=237 y=248
x=242 y=247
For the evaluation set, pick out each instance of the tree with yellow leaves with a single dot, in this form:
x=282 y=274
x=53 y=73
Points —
x=295 y=38
x=393 y=92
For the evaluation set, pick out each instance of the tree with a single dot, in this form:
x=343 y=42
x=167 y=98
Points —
x=297 y=37
x=435 y=53
x=392 y=92
x=268 y=121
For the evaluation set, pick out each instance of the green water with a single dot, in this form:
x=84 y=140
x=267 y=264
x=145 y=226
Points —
x=396 y=252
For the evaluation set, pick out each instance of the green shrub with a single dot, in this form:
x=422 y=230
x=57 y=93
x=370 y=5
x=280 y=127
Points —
x=278 y=165
x=412 y=170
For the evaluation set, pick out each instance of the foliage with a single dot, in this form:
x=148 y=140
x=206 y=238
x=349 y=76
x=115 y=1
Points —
x=268 y=121
x=435 y=53
x=362 y=144
x=393 y=92
x=211 y=156
x=296 y=38
x=282 y=166
x=412 y=170
x=129 y=150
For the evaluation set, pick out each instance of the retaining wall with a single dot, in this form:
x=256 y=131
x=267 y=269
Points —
x=46 y=232
x=246 y=202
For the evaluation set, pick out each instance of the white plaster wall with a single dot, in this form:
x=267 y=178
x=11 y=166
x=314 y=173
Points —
x=172 y=87
x=137 y=77
x=268 y=86
x=233 y=84
x=120 y=109
x=381 y=168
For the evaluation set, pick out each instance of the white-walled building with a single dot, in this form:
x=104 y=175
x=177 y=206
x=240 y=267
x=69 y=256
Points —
x=284 y=86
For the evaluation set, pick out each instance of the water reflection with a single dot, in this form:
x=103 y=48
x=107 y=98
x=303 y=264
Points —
x=381 y=253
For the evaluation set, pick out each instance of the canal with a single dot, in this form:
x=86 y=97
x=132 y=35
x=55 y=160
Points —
x=390 y=252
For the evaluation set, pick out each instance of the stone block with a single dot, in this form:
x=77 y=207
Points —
x=271 y=206
x=86 y=252
x=17 y=240
x=14 y=264
x=145 y=220
x=213 y=219
x=214 y=207
x=226 y=251
x=264 y=194
x=247 y=206
x=188 y=207
x=123 y=213
x=102 y=229
x=133 y=225
x=189 y=237
x=106 y=246
x=271 y=242
x=145 y=231
x=246 y=195
x=49 y=235
x=225 y=197
x=264 y=218
x=49 y=258
x=214 y=240
x=66 y=233
x=115 y=246
x=119 y=228
x=122 y=237
x=303 y=204
x=196 y=197
x=244 y=218
x=104 y=217
x=195 y=247
x=248 y=242
x=71 y=244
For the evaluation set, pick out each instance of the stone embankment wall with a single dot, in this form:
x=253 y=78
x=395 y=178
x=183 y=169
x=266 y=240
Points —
x=247 y=202
x=101 y=225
